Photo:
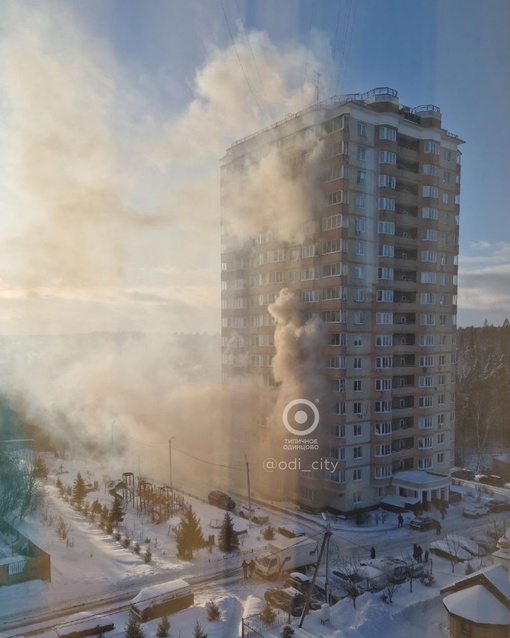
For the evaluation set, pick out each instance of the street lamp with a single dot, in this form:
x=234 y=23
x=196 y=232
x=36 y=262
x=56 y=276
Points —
x=249 y=491
x=170 y=462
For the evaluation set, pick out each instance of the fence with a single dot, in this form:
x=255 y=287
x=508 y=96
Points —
x=254 y=627
x=30 y=563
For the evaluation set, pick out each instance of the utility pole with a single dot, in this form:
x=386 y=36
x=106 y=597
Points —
x=248 y=481
x=170 y=462
x=325 y=543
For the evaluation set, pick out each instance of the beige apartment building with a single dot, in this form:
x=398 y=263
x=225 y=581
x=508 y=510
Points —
x=372 y=261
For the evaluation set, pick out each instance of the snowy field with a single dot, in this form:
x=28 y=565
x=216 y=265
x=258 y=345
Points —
x=90 y=569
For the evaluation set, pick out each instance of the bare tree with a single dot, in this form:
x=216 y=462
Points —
x=454 y=550
x=347 y=577
x=20 y=491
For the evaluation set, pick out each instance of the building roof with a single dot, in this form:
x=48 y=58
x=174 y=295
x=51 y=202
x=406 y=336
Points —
x=478 y=605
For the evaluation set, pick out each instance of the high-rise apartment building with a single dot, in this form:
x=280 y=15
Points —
x=375 y=263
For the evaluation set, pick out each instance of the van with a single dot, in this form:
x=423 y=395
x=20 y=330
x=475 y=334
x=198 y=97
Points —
x=161 y=600
x=221 y=500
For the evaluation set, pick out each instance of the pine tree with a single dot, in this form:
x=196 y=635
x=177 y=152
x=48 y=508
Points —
x=79 y=489
x=133 y=629
x=163 y=628
x=228 y=540
x=287 y=631
x=117 y=511
x=189 y=534
x=198 y=632
x=40 y=468
x=213 y=612
x=268 y=614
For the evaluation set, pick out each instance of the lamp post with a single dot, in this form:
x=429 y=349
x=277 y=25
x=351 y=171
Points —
x=249 y=491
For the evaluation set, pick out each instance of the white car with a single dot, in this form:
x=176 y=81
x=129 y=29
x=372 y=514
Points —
x=450 y=550
x=257 y=515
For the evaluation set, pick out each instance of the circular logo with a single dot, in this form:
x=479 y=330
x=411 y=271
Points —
x=300 y=412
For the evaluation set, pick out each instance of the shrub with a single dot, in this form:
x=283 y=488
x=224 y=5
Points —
x=268 y=533
x=137 y=548
x=117 y=536
x=126 y=542
x=198 y=632
x=268 y=614
x=147 y=557
x=163 y=628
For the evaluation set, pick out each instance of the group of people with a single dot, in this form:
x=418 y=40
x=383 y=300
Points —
x=419 y=555
x=248 y=568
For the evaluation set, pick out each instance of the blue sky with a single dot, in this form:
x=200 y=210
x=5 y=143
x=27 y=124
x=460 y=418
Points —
x=141 y=74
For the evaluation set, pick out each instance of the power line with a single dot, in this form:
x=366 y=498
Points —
x=240 y=61
x=249 y=45
x=308 y=41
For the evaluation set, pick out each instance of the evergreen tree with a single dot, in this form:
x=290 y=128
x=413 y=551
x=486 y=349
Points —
x=117 y=511
x=79 y=489
x=133 y=629
x=213 y=611
x=163 y=628
x=189 y=534
x=228 y=540
x=40 y=468
x=268 y=614
x=287 y=631
x=198 y=632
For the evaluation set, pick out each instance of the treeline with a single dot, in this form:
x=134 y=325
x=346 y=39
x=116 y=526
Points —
x=483 y=388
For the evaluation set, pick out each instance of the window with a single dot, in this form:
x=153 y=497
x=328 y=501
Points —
x=426 y=340
x=426 y=382
x=358 y=318
x=383 y=318
x=338 y=148
x=445 y=198
x=442 y=360
x=337 y=339
x=333 y=316
x=361 y=153
x=440 y=457
x=386 y=250
x=359 y=295
x=387 y=157
x=447 y=155
x=382 y=385
x=360 y=201
x=426 y=402
x=385 y=295
x=357 y=341
x=428 y=256
x=425 y=422
x=386 y=203
x=385 y=273
x=384 y=340
x=333 y=292
x=339 y=431
x=338 y=197
x=387 y=133
x=333 y=270
x=424 y=464
x=309 y=296
x=387 y=181
x=446 y=177
x=338 y=476
x=338 y=172
x=310 y=251
x=431 y=169
x=333 y=246
x=383 y=362
x=382 y=472
x=430 y=191
x=428 y=298
x=426 y=361
x=340 y=408
x=383 y=449
x=357 y=385
x=428 y=277
x=338 y=453
x=357 y=452
x=309 y=273
x=440 y=399
x=361 y=177
x=356 y=498
x=383 y=428
x=337 y=362
x=362 y=129
x=359 y=272
x=429 y=213
x=429 y=234
x=357 y=409
x=425 y=443
x=338 y=385
x=387 y=228
x=357 y=363
x=356 y=474
x=382 y=407
x=431 y=147
x=359 y=226
x=333 y=221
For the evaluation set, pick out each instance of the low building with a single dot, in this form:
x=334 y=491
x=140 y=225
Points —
x=479 y=605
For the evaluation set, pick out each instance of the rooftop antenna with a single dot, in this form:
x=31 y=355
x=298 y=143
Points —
x=317 y=82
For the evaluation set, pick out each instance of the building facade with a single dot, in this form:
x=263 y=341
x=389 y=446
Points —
x=375 y=263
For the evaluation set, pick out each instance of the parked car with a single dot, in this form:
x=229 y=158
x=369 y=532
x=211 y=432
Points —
x=496 y=505
x=450 y=550
x=423 y=523
x=363 y=578
x=395 y=569
x=487 y=543
x=463 y=473
x=289 y=599
x=221 y=500
x=475 y=511
x=257 y=515
x=291 y=531
x=492 y=479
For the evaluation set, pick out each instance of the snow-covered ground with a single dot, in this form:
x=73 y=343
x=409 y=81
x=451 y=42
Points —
x=90 y=566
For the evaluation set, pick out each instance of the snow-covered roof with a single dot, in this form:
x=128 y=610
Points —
x=420 y=477
x=148 y=595
x=478 y=605
x=400 y=501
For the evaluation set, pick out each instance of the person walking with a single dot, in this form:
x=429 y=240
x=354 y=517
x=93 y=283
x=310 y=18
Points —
x=372 y=552
x=400 y=520
x=438 y=528
x=426 y=556
x=443 y=512
x=244 y=565
x=419 y=553
x=415 y=551
x=251 y=567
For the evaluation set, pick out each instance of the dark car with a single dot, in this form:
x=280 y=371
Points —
x=291 y=531
x=492 y=479
x=464 y=474
x=221 y=500
x=289 y=599
x=496 y=505
x=423 y=523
